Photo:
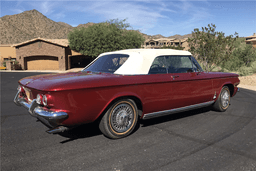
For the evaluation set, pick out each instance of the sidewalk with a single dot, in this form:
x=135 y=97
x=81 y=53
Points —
x=54 y=71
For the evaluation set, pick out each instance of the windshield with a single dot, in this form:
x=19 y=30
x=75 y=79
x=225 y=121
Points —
x=107 y=63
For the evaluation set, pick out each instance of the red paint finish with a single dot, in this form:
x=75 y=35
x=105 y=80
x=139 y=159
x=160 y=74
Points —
x=84 y=96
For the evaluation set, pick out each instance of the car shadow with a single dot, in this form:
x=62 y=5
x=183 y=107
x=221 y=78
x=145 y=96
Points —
x=92 y=129
x=86 y=131
x=82 y=131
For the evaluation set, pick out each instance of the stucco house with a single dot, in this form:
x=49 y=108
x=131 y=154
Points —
x=7 y=52
x=48 y=54
x=158 y=43
x=251 y=40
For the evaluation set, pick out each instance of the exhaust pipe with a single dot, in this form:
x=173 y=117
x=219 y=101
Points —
x=57 y=130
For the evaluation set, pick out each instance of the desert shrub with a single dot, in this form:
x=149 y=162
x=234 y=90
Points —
x=242 y=55
x=247 y=54
x=243 y=71
x=253 y=66
x=17 y=66
x=234 y=63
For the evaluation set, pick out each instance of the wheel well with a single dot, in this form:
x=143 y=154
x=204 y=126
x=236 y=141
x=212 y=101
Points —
x=134 y=98
x=231 y=88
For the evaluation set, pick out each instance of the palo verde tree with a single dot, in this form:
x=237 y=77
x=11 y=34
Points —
x=104 y=37
x=211 y=47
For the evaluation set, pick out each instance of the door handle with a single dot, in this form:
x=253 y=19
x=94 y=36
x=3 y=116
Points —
x=174 y=76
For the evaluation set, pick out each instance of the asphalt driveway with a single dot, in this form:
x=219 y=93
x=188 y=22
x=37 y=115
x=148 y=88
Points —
x=196 y=140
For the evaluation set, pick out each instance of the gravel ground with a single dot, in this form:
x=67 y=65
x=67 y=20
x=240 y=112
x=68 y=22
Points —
x=248 y=82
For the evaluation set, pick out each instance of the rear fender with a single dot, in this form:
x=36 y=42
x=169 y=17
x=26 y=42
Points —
x=116 y=97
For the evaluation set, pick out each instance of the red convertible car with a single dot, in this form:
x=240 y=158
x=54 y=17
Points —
x=119 y=87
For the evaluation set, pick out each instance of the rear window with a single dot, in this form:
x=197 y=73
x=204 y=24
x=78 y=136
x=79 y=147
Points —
x=107 y=63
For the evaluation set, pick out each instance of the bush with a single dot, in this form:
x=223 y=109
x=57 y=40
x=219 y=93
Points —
x=243 y=71
x=4 y=64
x=253 y=66
x=234 y=63
x=17 y=66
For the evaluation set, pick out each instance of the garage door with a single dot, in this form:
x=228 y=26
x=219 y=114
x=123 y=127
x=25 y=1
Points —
x=42 y=63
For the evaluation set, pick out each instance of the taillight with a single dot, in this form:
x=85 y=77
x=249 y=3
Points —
x=39 y=99
x=45 y=100
x=20 y=89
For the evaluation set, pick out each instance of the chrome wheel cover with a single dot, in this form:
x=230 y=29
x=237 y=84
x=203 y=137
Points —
x=122 y=118
x=225 y=98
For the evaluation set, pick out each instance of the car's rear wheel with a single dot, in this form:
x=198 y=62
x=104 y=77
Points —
x=223 y=101
x=120 y=119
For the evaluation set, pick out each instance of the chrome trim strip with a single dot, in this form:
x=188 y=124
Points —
x=172 y=111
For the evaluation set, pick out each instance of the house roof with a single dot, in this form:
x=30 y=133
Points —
x=160 y=39
x=251 y=40
x=253 y=36
x=5 y=45
x=60 y=42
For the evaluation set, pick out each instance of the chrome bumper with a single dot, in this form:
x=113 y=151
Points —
x=49 y=118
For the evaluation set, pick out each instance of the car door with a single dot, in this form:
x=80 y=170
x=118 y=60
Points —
x=189 y=84
x=157 y=92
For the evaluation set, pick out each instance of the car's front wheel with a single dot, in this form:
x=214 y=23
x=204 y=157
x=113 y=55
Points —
x=120 y=119
x=223 y=101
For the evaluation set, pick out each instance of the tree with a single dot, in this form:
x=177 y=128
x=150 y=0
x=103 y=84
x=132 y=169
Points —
x=104 y=37
x=211 y=47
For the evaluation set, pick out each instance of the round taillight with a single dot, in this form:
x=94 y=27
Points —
x=44 y=100
x=20 y=89
x=39 y=99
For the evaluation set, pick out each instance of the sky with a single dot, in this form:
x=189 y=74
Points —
x=165 y=17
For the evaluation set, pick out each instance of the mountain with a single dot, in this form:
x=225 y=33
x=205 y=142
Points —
x=29 y=25
x=32 y=24
x=159 y=36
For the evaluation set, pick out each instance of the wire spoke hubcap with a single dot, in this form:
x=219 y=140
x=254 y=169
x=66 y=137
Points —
x=225 y=98
x=122 y=118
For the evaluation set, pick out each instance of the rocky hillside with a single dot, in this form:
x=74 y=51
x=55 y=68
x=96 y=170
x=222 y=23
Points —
x=32 y=24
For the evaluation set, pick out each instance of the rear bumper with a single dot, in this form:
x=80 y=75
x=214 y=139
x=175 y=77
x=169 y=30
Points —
x=49 y=118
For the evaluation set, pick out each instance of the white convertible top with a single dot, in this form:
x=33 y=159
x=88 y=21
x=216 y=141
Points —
x=140 y=60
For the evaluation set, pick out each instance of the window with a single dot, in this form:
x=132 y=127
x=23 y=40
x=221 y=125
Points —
x=174 y=64
x=196 y=65
x=179 y=64
x=158 y=66
x=108 y=63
